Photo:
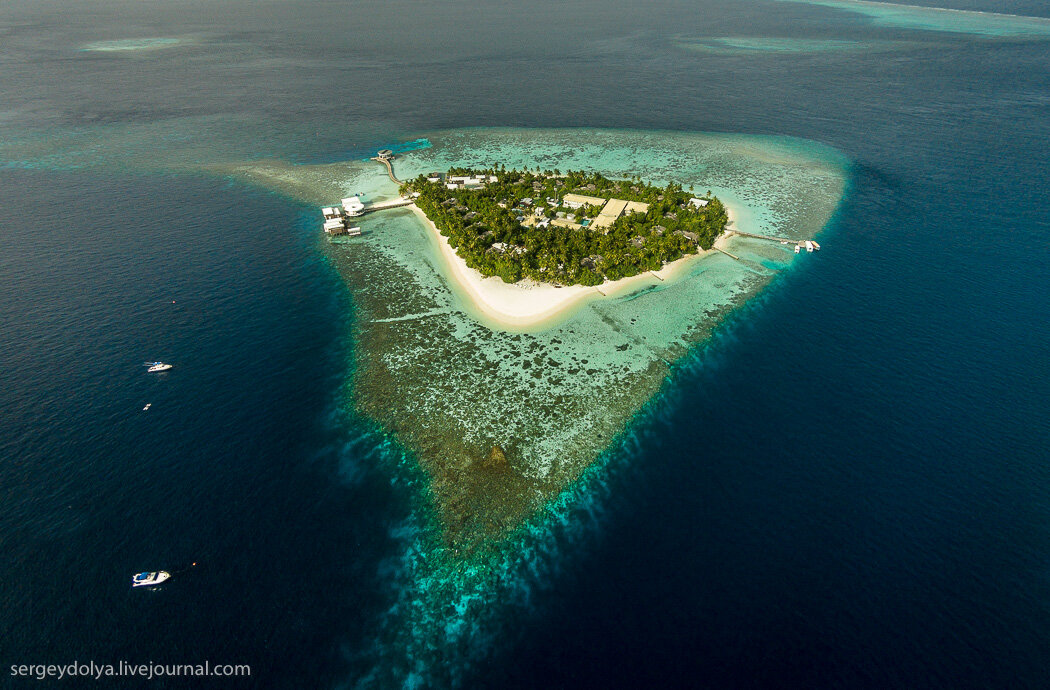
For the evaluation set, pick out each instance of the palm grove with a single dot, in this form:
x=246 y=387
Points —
x=494 y=228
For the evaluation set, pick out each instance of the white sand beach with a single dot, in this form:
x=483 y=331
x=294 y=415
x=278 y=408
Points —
x=527 y=304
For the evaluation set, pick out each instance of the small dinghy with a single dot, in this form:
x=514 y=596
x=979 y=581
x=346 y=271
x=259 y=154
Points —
x=149 y=579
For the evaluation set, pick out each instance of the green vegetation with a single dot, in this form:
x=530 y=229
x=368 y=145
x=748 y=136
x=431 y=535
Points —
x=518 y=226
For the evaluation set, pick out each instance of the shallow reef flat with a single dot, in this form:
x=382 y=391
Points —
x=135 y=44
x=736 y=45
x=503 y=422
x=984 y=24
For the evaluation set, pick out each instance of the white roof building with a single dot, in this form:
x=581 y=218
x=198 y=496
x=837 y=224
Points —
x=353 y=206
x=334 y=226
x=578 y=200
x=699 y=203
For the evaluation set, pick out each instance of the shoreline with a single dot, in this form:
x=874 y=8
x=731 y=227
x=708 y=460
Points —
x=529 y=305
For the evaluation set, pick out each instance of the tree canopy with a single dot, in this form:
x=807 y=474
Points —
x=494 y=228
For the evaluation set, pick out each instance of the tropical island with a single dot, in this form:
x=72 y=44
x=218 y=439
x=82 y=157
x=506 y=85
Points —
x=580 y=228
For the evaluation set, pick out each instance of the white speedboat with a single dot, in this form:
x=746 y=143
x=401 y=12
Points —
x=149 y=579
x=154 y=367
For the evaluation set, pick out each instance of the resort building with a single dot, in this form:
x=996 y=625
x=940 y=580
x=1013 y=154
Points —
x=579 y=200
x=698 y=203
x=335 y=226
x=611 y=209
x=467 y=181
x=353 y=206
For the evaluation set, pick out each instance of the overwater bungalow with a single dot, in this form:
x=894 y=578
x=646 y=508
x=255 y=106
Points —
x=353 y=206
x=335 y=226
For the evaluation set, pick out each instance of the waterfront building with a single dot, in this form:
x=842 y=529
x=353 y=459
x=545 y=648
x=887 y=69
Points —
x=353 y=206
x=335 y=226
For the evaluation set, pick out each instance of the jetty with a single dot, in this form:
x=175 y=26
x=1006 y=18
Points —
x=385 y=156
x=731 y=256
x=382 y=206
x=782 y=240
x=809 y=245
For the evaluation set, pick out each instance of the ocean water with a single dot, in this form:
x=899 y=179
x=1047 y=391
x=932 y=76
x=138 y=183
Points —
x=846 y=485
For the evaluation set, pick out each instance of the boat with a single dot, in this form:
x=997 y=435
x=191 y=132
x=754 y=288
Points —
x=149 y=579
x=148 y=405
x=154 y=367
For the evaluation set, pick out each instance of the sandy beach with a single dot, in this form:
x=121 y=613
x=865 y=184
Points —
x=527 y=304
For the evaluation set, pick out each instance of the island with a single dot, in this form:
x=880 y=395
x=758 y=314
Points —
x=507 y=413
x=502 y=401
x=579 y=228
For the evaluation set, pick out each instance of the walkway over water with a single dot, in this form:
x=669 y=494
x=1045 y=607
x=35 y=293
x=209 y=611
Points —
x=385 y=160
x=783 y=240
x=382 y=206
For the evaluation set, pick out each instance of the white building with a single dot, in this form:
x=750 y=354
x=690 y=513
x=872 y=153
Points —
x=353 y=206
x=698 y=203
x=578 y=200
x=456 y=181
x=334 y=226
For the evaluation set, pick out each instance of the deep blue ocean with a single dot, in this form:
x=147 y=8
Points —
x=849 y=486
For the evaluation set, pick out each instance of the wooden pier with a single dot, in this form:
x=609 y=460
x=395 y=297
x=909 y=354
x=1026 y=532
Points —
x=384 y=157
x=782 y=240
x=394 y=203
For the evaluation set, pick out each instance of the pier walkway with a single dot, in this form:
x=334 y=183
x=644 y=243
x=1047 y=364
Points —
x=385 y=160
x=393 y=203
x=782 y=240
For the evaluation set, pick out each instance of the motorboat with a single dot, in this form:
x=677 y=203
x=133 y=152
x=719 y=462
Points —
x=155 y=367
x=149 y=579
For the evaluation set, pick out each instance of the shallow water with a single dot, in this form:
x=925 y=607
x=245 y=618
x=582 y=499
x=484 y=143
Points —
x=948 y=19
